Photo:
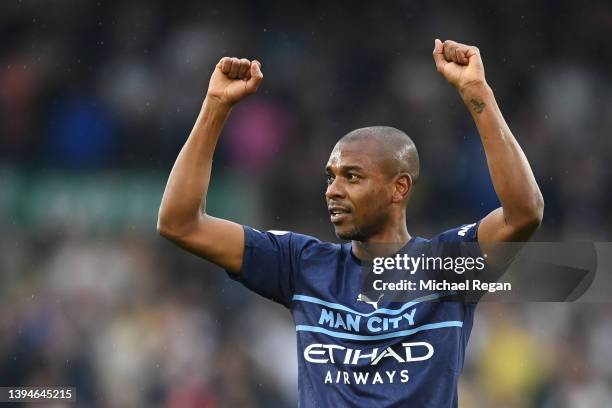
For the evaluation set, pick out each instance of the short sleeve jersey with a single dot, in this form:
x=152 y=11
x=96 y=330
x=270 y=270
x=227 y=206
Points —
x=353 y=353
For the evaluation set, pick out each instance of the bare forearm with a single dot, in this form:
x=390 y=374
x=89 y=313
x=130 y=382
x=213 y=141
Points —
x=511 y=174
x=184 y=199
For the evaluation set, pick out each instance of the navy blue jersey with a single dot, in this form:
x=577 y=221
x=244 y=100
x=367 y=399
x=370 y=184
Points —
x=354 y=353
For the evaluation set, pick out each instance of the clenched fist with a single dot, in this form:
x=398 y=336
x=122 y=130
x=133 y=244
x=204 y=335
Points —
x=234 y=79
x=459 y=64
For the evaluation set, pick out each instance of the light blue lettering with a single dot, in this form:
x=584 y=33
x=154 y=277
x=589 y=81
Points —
x=352 y=322
x=327 y=317
x=371 y=322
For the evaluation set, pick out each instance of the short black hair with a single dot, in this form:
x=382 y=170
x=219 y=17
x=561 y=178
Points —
x=396 y=147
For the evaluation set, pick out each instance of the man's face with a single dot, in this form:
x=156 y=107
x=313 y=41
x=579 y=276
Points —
x=358 y=190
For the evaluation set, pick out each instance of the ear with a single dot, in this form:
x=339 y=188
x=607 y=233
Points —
x=402 y=187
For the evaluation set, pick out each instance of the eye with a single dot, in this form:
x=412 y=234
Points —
x=353 y=178
x=329 y=178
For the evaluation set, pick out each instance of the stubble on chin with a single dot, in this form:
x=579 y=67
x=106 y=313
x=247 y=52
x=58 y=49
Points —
x=354 y=234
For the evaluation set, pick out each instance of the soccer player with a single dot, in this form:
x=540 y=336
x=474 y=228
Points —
x=355 y=350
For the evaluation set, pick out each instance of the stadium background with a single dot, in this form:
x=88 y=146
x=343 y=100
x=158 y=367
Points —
x=96 y=98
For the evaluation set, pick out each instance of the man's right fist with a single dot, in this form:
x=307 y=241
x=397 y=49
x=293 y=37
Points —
x=233 y=79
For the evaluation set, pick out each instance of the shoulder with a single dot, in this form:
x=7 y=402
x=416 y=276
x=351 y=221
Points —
x=295 y=241
x=462 y=233
x=458 y=241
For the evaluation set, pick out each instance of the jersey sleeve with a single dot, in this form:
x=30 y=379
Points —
x=459 y=242
x=464 y=233
x=271 y=264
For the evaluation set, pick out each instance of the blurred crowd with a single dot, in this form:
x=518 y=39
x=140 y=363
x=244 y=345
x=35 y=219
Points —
x=92 y=90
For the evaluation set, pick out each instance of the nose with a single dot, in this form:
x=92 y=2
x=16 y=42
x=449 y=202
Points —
x=335 y=189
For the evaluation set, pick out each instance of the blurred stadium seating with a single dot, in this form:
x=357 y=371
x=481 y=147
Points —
x=96 y=99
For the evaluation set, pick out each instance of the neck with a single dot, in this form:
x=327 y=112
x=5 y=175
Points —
x=384 y=243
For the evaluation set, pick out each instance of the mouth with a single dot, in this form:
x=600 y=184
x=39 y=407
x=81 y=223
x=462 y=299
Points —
x=338 y=213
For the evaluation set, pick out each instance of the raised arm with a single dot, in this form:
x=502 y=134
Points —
x=182 y=214
x=522 y=203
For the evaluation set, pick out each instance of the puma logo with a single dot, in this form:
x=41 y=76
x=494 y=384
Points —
x=374 y=303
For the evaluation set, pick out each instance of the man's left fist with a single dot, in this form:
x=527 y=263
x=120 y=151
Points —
x=459 y=64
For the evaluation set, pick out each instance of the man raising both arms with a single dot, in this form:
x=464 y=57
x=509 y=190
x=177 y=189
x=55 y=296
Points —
x=348 y=355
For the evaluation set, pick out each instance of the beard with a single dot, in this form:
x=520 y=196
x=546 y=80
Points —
x=362 y=231
x=357 y=233
x=353 y=235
